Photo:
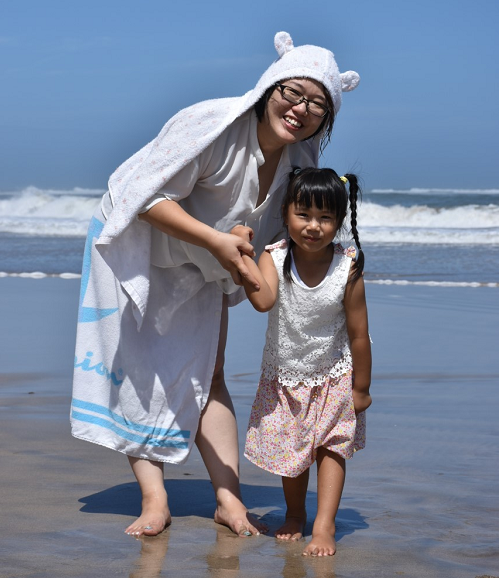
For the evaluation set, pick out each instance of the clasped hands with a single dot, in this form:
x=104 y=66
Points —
x=229 y=249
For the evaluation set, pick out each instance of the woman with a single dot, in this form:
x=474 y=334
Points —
x=161 y=269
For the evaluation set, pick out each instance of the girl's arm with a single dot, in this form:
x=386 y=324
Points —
x=360 y=343
x=169 y=217
x=265 y=273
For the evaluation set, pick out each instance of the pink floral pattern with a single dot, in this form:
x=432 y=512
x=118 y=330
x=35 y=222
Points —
x=288 y=425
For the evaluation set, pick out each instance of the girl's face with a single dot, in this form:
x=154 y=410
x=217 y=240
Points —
x=286 y=123
x=312 y=229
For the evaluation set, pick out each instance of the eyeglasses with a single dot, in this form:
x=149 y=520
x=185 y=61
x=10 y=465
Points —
x=295 y=97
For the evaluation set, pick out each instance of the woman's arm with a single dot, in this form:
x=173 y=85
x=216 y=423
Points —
x=169 y=217
x=360 y=343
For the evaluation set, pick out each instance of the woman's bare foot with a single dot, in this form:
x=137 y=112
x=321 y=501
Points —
x=292 y=529
x=239 y=520
x=322 y=543
x=155 y=517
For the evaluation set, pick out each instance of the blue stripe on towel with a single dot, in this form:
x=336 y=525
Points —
x=90 y=314
x=144 y=429
x=127 y=435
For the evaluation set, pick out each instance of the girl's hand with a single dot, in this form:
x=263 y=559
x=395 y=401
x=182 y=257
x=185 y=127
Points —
x=227 y=249
x=243 y=231
x=361 y=401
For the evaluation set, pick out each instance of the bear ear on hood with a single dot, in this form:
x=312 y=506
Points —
x=283 y=43
x=349 y=80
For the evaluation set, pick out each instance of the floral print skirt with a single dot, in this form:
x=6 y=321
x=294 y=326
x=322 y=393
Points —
x=288 y=424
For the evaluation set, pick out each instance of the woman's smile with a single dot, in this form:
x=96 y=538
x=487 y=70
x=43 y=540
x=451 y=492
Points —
x=295 y=123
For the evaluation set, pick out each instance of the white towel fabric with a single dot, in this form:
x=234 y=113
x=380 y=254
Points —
x=147 y=336
x=125 y=395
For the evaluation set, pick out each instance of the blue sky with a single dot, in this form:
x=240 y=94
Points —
x=86 y=84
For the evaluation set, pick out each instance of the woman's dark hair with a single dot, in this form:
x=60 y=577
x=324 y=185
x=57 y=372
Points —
x=326 y=124
x=324 y=189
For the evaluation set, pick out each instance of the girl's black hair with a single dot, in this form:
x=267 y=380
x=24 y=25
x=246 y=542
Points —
x=326 y=124
x=325 y=189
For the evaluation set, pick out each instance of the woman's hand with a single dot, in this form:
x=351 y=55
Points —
x=227 y=249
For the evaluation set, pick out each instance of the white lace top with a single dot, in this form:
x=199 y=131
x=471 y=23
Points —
x=307 y=338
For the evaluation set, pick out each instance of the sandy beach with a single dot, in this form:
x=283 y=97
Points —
x=420 y=501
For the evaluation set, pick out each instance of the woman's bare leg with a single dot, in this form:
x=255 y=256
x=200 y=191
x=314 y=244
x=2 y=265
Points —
x=155 y=516
x=217 y=442
x=330 y=482
x=295 y=493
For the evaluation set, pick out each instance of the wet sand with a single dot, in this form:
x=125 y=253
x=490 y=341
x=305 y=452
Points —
x=420 y=500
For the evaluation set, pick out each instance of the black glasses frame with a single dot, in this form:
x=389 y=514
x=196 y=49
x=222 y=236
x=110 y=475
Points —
x=301 y=99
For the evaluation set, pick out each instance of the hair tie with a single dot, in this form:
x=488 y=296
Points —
x=297 y=171
x=344 y=179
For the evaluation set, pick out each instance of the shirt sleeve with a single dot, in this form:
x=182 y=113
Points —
x=154 y=200
x=180 y=185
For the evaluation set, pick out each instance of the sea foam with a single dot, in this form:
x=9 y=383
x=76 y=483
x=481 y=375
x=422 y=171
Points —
x=429 y=191
x=397 y=282
x=66 y=213
x=48 y=212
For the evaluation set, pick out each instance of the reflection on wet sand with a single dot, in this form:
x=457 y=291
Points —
x=152 y=556
x=230 y=556
x=298 y=566
x=223 y=556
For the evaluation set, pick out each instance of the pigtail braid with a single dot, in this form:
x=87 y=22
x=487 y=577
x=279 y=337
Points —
x=286 y=266
x=354 y=196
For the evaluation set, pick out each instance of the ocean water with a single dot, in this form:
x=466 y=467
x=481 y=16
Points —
x=415 y=236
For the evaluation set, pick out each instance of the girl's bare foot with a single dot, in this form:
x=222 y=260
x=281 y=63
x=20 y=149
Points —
x=322 y=544
x=155 y=517
x=239 y=520
x=292 y=529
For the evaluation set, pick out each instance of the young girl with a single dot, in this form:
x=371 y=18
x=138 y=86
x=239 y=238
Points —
x=316 y=367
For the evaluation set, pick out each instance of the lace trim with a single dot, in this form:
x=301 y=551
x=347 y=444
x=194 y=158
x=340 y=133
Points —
x=287 y=378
